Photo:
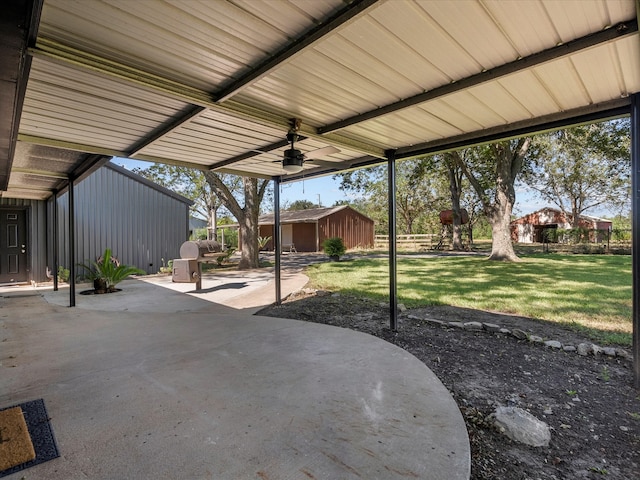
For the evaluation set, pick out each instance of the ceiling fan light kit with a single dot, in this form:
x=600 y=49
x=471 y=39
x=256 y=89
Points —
x=292 y=160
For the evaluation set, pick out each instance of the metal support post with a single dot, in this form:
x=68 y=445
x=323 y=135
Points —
x=72 y=244
x=635 y=232
x=277 y=238
x=393 y=270
x=55 y=241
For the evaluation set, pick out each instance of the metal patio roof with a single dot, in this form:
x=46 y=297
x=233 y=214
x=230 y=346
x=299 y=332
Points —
x=211 y=84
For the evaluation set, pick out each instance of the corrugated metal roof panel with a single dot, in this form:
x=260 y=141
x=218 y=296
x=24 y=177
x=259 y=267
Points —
x=82 y=107
x=116 y=76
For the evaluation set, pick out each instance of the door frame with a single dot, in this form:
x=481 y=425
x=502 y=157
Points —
x=27 y=219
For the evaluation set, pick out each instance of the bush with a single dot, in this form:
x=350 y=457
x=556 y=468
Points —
x=334 y=247
x=63 y=274
x=108 y=271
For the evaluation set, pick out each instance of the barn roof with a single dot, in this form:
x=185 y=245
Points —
x=213 y=85
x=306 y=216
x=558 y=211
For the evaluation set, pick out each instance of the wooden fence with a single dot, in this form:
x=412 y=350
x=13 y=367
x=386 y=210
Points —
x=422 y=241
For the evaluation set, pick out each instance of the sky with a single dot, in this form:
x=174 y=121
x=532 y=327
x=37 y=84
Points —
x=326 y=191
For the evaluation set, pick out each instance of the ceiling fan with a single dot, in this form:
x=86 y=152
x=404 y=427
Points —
x=293 y=159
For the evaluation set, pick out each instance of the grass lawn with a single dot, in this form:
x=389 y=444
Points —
x=591 y=293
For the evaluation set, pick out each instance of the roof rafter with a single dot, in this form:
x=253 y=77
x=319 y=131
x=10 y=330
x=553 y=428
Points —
x=607 y=35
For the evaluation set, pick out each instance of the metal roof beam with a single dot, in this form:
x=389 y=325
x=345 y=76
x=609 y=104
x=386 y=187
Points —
x=593 y=113
x=594 y=39
x=165 y=129
x=50 y=50
x=18 y=29
x=343 y=16
x=253 y=153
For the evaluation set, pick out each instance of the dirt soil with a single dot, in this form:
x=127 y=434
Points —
x=589 y=402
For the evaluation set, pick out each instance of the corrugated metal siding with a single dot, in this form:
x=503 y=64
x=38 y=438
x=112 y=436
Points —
x=304 y=237
x=37 y=234
x=140 y=224
x=355 y=229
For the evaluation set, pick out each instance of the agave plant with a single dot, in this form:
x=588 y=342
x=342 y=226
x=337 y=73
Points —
x=107 y=272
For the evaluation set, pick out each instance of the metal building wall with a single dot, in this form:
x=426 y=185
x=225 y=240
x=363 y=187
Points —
x=355 y=229
x=140 y=224
x=37 y=234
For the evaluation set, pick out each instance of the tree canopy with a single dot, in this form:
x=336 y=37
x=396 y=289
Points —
x=584 y=168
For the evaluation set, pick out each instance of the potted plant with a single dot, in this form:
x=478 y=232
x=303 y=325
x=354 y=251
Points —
x=107 y=272
x=334 y=248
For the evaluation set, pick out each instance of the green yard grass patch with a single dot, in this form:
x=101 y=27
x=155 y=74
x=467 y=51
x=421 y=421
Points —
x=591 y=293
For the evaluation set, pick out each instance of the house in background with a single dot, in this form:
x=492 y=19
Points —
x=306 y=230
x=196 y=223
x=530 y=228
x=139 y=220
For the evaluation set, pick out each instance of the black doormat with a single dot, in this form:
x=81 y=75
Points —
x=44 y=444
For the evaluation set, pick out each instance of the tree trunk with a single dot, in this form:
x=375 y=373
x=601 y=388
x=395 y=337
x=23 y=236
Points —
x=249 y=243
x=248 y=222
x=499 y=214
x=501 y=245
x=455 y=188
x=213 y=224
x=247 y=216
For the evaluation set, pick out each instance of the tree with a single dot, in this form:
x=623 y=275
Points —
x=415 y=194
x=247 y=215
x=300 y=205
x=492 y=171
x=583 y=168
x=434 y=169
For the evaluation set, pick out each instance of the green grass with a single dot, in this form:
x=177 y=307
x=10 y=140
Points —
x=590 y=293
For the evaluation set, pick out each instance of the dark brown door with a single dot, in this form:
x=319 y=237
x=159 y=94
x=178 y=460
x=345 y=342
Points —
x=14 y=266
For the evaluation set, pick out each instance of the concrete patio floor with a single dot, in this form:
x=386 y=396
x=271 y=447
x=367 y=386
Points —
x=155 y=383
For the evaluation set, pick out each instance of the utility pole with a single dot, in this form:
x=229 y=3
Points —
x=319 y=204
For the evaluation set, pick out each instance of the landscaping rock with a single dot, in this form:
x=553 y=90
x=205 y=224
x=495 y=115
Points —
x=519 y=334
x=520 y=426
x=491 y=327
x=609 y=351
x=569 y=348
x=535 y=339
x=434 y=321
x=505 y=331
x=595 y=349
x=584 y=349
x=456 y=324
x=473 y=326
x=553 y=344
x=401 y=307
x=621 y=352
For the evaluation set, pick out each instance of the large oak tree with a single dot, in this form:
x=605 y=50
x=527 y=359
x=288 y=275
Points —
x=492 y=171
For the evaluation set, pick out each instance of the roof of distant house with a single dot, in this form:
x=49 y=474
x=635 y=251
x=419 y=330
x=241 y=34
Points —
x=304 y=216
x=557 y=210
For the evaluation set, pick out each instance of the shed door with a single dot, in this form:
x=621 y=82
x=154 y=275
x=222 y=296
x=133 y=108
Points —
x=13 y=246
x=287 y=234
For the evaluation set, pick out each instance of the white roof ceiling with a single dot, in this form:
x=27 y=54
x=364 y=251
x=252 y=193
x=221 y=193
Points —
x=207 y=83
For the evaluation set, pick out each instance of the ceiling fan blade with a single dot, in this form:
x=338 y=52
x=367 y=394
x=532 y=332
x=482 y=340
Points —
x=322 y=163
x=321 y=152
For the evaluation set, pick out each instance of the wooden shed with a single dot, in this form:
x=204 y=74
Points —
x=530 y=228
x=305 y=230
